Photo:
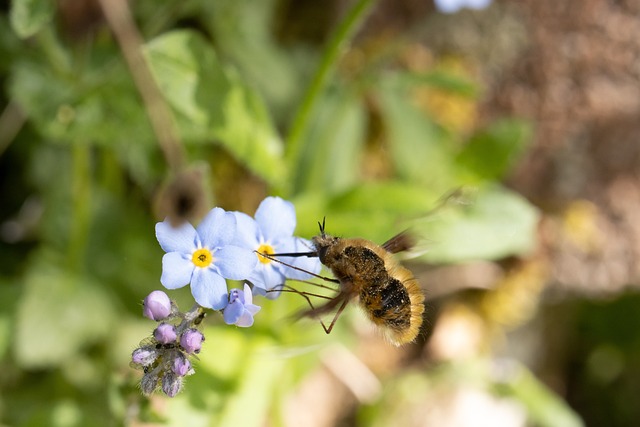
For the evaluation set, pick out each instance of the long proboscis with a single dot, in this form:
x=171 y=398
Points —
x=292 y=254
x=272 y=258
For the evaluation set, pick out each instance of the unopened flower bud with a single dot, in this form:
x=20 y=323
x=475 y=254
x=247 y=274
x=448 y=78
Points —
x=144 y=356
x=171 y=384
x=165 y=333
x=181 y=365
x=191 y=340
x=156 y=306
x=149 y=383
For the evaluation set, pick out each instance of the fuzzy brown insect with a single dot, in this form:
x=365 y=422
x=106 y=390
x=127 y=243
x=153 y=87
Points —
x=386 y=291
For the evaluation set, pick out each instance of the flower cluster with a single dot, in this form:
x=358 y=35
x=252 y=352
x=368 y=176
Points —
x=164 y=357
x=229 y=245
x=225 y=245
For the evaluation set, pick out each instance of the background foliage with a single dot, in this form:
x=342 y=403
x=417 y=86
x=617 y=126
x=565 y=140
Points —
x=369 y=130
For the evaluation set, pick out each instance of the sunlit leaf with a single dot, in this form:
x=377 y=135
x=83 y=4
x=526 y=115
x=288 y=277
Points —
x=331 y=155
x=495 y=224
x=243 y=30
x=375 y=211
x=212 y=103
x=492 y=152
x=453 y=83
x=419 y=150
x=544 y=407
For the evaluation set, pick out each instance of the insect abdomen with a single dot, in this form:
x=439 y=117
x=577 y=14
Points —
x=388 y=303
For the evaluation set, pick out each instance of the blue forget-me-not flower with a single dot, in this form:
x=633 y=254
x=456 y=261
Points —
x=241 y=309
x=453 y=6
x=204 y=257
x=272 y=233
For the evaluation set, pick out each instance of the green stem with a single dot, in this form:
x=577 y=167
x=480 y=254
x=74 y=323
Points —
x=81 y=204
x=337 y=44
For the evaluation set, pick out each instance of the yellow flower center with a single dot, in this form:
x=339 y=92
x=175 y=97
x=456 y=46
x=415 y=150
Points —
x=265 y=249
x=202 y=258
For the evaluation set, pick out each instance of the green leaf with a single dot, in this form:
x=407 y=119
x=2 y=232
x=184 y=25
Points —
x=419 y=150
x=72 y=108
x=447 y=81
x=375 y=211
x=496 y=224
x=544 y=407
x=330 y=160
x=58 y=314
x=9 y=293
x=491 y=153
x=243 y=31
x=27 y=17
x=235 y=379
x=212 y=103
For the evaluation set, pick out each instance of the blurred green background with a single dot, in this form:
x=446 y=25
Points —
x=504 y=138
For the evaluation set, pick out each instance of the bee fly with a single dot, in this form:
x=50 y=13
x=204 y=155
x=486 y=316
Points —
x=388 y=292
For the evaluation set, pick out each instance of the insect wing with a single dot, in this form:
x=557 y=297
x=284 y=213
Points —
x=399 y=243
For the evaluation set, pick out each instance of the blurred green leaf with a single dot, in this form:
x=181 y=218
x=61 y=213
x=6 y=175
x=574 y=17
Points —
x=376 y=210
x=543 y=406
x=99 y=106
x=441 y=79
x=242 y=369
x=27 y=17
x=419 y=149
x=496 y=224
x=9 y=294
x=211 y=102
x=244 y=33
x=492 y=152
x=58 y=315
x=331 y=158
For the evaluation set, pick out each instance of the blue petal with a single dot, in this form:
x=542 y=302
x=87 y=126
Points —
x=218 y=228
x=274 y=293
x=248 y=296
x=267 y=276
x=449 y=6
x=478 y=4
x=308 y=264
x=176 y=239
x=247 y=232
x=305 y=266
x=176 y=270
x=209 y=289
x=233 y=312
x=235 y=263
x=245 y=320
x=276 y=217
x=252 y=308
x=259 y=291
x=235 y=295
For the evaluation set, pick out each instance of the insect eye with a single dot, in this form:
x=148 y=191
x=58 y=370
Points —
x=322 y=253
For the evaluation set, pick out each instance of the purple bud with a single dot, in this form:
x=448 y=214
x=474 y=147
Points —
x=191 y=340
x=144 y=356
x=148 y=383
x=171 y=384
x=181 y=365
x=156 y=306
x=165 y=333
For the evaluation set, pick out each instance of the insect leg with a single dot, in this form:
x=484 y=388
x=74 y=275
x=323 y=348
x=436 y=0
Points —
x=304 y=294
x=335 y=318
